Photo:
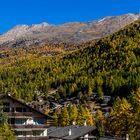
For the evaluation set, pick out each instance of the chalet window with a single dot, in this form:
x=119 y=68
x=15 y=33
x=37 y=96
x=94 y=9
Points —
x=6 y=109
x=20 y=133
x=37 y=133
x=20 y=121
x=24 y=110
x=18 y=109
x=12 y=109
x=6 y=104
x=39 y=120
x=12 y=121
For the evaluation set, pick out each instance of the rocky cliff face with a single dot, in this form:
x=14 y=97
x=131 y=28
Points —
x=77 y=32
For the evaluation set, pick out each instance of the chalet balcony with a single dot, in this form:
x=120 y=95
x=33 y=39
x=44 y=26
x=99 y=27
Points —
x=32 y=138
x=40 y=126
x=19 y=114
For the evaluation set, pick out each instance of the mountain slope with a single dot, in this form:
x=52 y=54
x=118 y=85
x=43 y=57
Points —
x=111 y=66
x=25 y=35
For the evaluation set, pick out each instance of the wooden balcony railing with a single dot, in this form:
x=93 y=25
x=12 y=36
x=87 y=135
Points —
x=29 y=126
x=19 y=113
x=33 y=138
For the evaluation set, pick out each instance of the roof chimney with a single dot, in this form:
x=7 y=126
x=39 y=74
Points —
x=69 y=132
x=73 y=123
x=85 y=123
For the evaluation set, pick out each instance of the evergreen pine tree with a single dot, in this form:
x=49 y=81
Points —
x=89 y=117
x=64 y=117
x=81 y=115
x=73 y=114
x=120 y=121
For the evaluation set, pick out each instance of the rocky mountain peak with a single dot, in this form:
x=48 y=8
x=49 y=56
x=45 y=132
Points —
x=75 y=32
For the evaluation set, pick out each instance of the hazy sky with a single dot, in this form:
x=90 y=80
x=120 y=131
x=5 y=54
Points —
x=13 y=12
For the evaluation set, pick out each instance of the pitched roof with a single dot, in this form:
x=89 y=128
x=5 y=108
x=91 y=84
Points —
x=59 y=132
x=63 y=132
x=78 y=132
x=24 y=104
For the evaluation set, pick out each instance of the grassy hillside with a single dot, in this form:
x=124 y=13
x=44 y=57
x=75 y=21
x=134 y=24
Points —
x=110 y=66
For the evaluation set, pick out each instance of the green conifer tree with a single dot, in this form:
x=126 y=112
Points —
x=6 y=133
x=89 y=117
x=73 y=114
x=64 y=117
x=5 y=130
x=120 y=121
x=81 y=115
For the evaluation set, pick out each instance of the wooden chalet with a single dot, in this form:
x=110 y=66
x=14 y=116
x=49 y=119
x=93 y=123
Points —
x=27 y=122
